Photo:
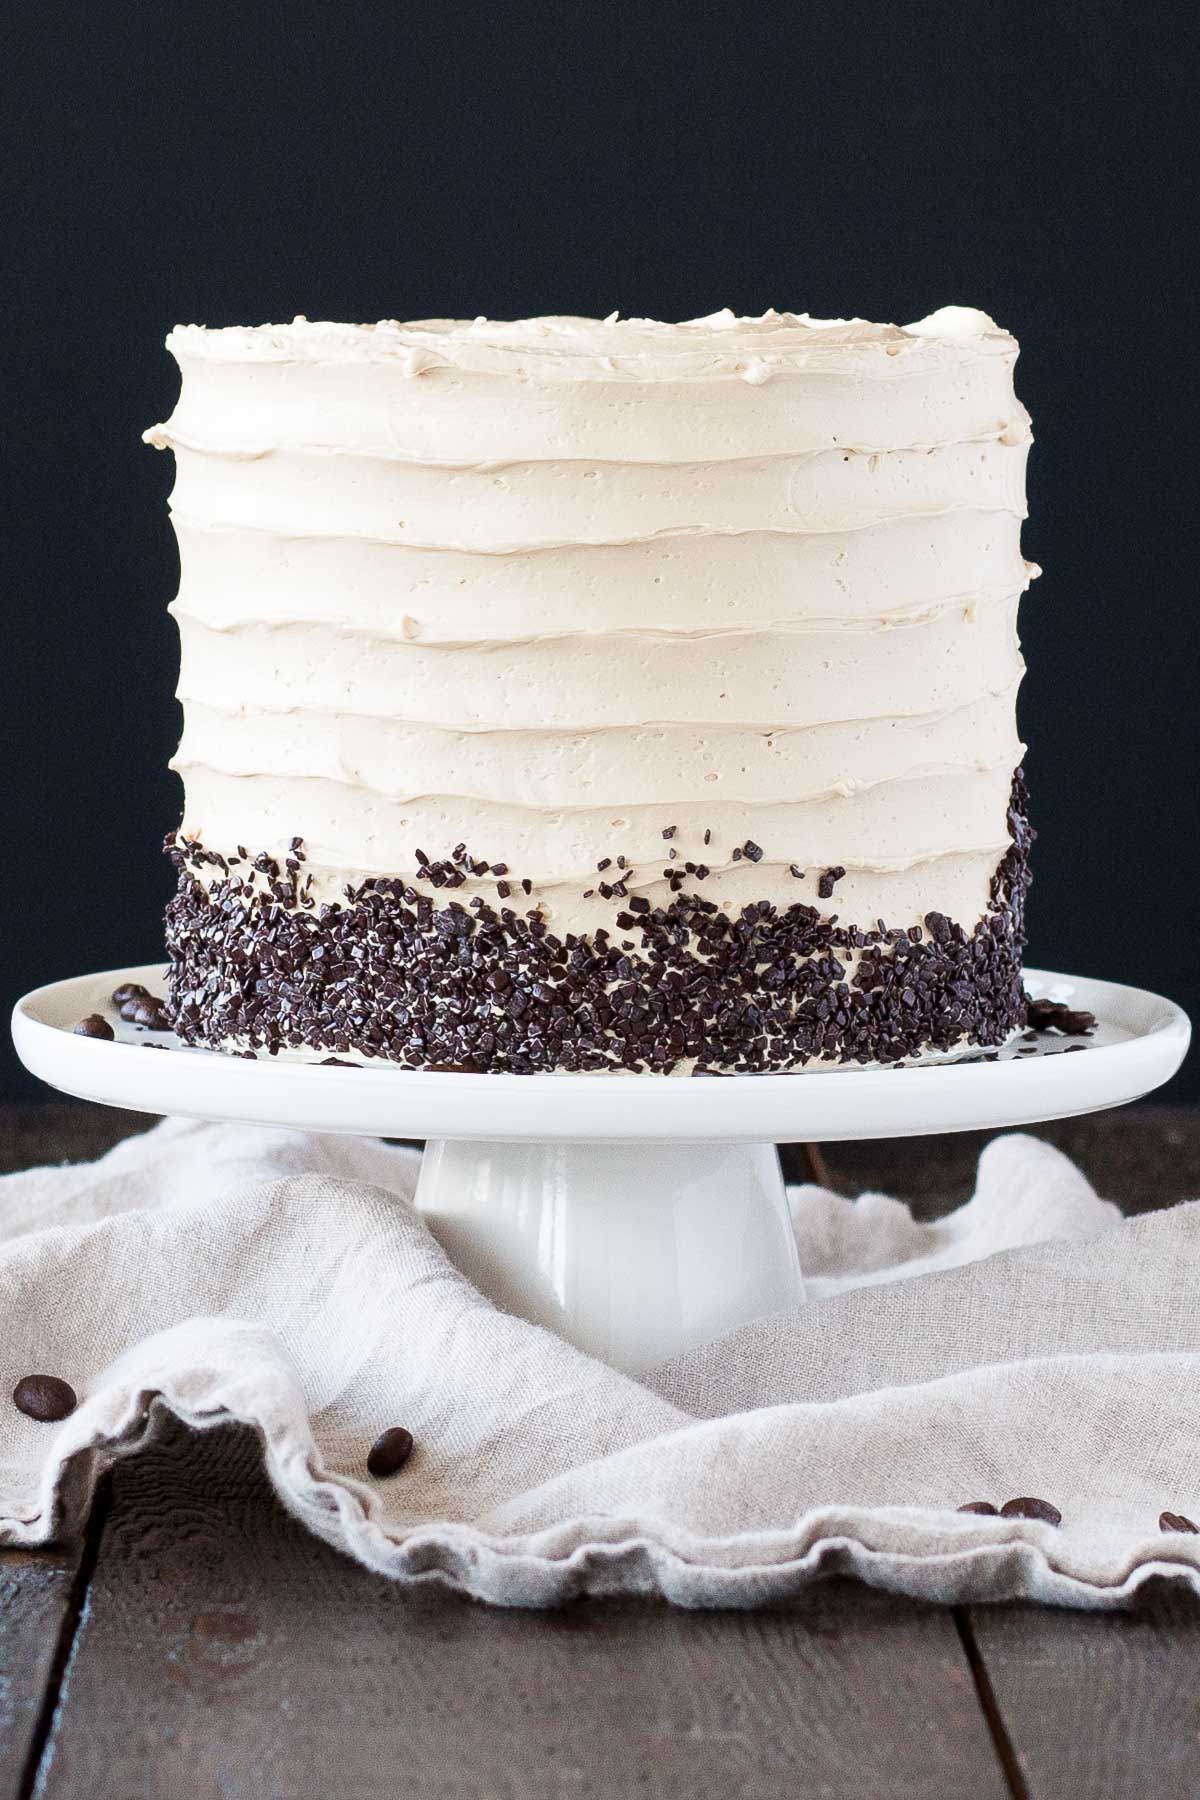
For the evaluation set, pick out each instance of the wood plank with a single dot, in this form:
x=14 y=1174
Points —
x=53 y=1131
x=1143 y=1157
x=226 y=1652
x=1102 y=1704
x=37 y=1612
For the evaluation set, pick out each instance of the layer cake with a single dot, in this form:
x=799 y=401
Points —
x=600 y=695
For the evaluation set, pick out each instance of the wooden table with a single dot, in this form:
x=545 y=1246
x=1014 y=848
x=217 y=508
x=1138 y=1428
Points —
x=198 y=1643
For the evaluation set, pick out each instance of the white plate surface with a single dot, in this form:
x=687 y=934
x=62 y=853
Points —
x=1140 y=1042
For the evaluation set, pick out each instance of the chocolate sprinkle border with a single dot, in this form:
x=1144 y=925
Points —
x=391 y=974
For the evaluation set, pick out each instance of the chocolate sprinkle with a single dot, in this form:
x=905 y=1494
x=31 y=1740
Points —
x=829 y=881
x=1056 y=1015
x=395 y=974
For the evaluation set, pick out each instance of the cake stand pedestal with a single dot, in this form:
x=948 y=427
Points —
x=632 y=1251
x=635 y=1216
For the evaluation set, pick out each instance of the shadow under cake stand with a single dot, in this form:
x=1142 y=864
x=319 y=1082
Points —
x=636 y=1216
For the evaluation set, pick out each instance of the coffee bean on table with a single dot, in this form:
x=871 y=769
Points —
x=1027 y=1506
x=1170 y=1521
x=94 y=1026
x=983 y=1507
x=390 y=1452
x=45 y=1398
x=129 y=990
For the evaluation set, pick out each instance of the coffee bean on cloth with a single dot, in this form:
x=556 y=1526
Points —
x=1031 y=1343
x=983 y=1507
x=1170 y=1521
x=94 y=1027
x=1026 y=1506
x=389 y=1452
x=45 y=1398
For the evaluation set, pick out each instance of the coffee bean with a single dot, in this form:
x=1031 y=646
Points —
x=44 y=1397
x=94 y=1027
x=129 y=990
x=984 y=1507
x=128 y=1006
x=1056 y=1015
x=1170 y=1521
x=148 y=1012
x=1026 y=1506
x=390 y=1452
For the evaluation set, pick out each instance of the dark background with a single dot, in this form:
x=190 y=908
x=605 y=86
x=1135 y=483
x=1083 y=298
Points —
x=240 y=164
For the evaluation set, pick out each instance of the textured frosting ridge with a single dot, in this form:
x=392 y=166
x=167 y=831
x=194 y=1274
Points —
x=569 y=590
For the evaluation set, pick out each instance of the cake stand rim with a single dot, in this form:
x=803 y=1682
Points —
x=827 y=1106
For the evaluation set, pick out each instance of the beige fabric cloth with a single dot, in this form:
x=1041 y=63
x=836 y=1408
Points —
x=1029 y=1344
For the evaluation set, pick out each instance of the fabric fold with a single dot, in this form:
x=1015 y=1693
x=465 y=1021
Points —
x=1030 y=1343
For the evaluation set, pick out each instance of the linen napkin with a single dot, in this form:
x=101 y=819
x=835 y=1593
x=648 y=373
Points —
x=1029 y=1344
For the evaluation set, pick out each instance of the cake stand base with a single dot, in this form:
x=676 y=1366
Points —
x=633 y=1215
x=634 y=1252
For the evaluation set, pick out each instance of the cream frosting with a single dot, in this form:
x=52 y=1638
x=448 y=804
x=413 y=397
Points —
x=554 y=587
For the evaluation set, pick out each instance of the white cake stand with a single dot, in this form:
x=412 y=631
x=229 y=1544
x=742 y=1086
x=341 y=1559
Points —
x=634 y=1215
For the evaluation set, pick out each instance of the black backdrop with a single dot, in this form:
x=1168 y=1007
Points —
x=236 y=164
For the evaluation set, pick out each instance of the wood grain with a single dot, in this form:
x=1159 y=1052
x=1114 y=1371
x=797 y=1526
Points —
x=1142 y=1156
x=54 y=1131
x=36 y=1618
x=221 y=1651
x=226 y=1652
x=1105 y=1705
